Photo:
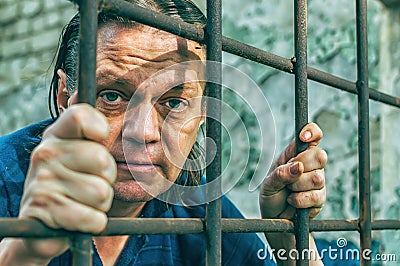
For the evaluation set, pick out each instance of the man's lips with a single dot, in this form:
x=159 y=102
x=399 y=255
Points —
x=137 y=167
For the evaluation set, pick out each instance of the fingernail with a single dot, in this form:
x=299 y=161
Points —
x=307 y=135
x=294 y=168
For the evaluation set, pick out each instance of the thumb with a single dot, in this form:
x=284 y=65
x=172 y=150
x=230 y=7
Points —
x=281 y=177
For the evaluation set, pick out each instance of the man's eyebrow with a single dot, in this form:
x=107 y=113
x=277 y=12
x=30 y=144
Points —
x=107 y=77
x=187 y=87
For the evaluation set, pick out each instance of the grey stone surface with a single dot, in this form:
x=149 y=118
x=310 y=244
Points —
x=29 y=35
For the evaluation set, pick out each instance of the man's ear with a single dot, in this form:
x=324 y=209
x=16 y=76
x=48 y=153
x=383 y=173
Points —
x=62 y=94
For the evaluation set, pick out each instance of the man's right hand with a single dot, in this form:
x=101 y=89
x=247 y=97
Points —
x=68 y=185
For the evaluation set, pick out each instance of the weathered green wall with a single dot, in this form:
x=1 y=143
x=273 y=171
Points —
x=29 y=32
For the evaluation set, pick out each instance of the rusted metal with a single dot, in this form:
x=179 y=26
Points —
x=363 y=129
x=129 y=226
x=81 y=244
x=196 y=33
x=301 y=114
x=213 y=131
x=385 y=225
x=154 y=19
x=87 y=52
x=333 y=225
x=13 y=227
x=257 y=225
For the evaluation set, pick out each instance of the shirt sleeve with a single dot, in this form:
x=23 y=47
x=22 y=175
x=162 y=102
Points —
x=4 y=210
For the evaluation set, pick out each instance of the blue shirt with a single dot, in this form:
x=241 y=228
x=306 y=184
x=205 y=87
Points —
x=187 y=249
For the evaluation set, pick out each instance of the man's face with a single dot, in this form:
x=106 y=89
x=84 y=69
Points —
x=153 y=120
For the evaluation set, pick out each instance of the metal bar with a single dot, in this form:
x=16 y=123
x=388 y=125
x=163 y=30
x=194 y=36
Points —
x=192 y=32
x=154 y=19
x=81 y=244
x=213 y=171
x=129 y=226
x=87 y=52
x=363 y=129
x=14 y=227
x=301 y=114
x=280 y=63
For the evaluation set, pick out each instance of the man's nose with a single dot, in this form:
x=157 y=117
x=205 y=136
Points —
x=142 y=124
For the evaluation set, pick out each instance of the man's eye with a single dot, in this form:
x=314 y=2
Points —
x=176 y=104
x=111 y=97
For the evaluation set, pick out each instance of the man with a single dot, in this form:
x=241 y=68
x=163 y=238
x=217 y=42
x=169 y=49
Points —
x=111 y=161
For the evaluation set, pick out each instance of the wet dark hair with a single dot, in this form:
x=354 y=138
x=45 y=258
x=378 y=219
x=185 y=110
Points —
x=67 y=56
x=67 y=60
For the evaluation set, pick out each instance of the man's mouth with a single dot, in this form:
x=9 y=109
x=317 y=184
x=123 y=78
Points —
x=137 y=167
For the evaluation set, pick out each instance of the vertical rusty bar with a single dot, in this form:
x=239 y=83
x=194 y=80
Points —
x=213 y=171
x=87 y=51
x=363 y=129
x=301 y=113
x=81 y=250
x=82 y=243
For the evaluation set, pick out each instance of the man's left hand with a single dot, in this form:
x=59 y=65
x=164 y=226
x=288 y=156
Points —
x=296 y=181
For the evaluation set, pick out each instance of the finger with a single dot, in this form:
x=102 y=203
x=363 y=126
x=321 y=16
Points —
x=91 y=158
x=313 y=212
x=311 y=133
x=58 y=211
x=78 y=122
x=77 y=155
x=312 y=159
x=307 y=199
x=287 y=154
x=313 y=180
x=290 y=212
x=89 y=190
x=282 y=176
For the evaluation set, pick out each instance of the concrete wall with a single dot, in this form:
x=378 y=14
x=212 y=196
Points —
x=29 y=33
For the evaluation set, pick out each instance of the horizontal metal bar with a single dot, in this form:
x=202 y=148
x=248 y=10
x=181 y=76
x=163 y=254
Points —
x=13 y=227
x=385 y=224
x=287 y=65
x=334 y=225
x=196 y=33
x=256 y=225
x=153 y=19
x=127 y=226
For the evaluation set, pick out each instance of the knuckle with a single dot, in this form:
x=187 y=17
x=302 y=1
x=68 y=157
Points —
x=315 y=198
x=103 y=191
x=43 y=153
x=47 y=132
x=44 y=175
x=297 y=201
x=318 y=179
x=92 y=221
x=321 y=157
x=282 y=174
x=102 y=157
x=280 y=171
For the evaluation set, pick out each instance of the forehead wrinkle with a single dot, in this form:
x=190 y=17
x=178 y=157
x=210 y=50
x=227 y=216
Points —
x=129 y=79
